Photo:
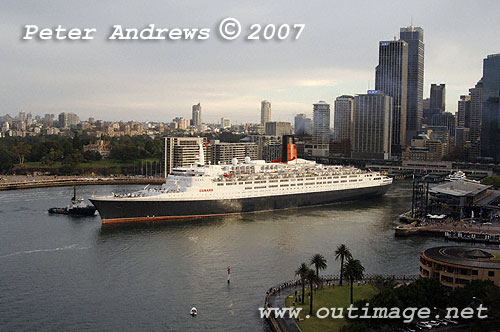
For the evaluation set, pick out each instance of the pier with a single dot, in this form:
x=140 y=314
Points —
x=464 y=231
x=23 y=182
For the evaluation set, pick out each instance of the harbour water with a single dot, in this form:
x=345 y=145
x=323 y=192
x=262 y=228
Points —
x=61 y=273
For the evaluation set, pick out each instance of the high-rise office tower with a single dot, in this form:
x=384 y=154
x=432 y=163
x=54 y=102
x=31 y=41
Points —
x=391 y=78
x=67 y=120
x=265 y=111
x=343 y=117
x=303 y=125
x=438 y=97
x=490 y=128
x=462 y=136
x=414 y=36
x=476 y=99
x=372 y=126
x=446 y=120
x=463 y=113
x=22 y=116
x=196 y=115
x=321 y=123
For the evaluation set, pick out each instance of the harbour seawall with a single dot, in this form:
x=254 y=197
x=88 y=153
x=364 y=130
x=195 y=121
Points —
x=24 y=182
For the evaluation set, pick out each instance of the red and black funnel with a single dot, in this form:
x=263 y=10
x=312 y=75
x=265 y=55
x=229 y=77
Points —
x=288 y=150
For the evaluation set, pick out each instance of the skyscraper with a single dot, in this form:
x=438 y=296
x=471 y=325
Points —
x=321 y=122
x=372 y=126
x=22 y=116
x=391 y=78
x=303 y=125
x=265 y=111
x=67 y=120
x=490 y=129
x=438 y=97
x=476 y=99
x=445 y=119
x=321 y=129
x=414 y=36
x=196 y=115
x=343 y=117
x=463 y=113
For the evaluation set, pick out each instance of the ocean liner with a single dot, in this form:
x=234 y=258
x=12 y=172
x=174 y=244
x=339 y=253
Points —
x=203 y=190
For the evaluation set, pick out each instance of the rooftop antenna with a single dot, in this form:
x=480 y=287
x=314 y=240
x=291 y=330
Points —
x=411 y=24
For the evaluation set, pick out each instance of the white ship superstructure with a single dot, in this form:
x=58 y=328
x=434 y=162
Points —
x=250 y=186
x=258 y=178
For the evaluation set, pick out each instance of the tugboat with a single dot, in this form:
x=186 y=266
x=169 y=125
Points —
x=76 y=208
x=193 y=312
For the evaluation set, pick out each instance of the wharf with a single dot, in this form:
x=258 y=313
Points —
x=23 y=182
x=468 y=231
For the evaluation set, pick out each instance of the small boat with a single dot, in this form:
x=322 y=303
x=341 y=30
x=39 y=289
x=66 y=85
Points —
x=458 y=175
x=77 y=207
x=193 y=312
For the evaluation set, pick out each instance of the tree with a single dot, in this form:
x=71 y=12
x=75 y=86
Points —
x=493 y=180
x=302 y=272
x=21 y=150
x=92 y=156
x=342 y=253
x=353 y=270
x=313 y=279
x=319 y=263
x=7 y=159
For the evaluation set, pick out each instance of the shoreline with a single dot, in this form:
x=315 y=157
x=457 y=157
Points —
x=14 y=182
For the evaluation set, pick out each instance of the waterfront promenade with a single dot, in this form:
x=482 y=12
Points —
x=276 y=296
x=12 y=182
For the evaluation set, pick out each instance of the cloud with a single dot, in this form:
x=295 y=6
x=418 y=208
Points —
x=336 y=55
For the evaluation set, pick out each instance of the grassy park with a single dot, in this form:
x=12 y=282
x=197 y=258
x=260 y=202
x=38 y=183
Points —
x=329 y=297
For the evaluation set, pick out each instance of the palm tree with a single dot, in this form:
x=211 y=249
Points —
x=319 y=263
x=313 y=278
x=302 y=272
x=343 y=253
x=353 y=270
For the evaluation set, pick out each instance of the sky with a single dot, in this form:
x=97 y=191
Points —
x=336 y=54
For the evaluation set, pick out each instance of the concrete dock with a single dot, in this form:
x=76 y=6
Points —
x=25 y=182
x=463 y=230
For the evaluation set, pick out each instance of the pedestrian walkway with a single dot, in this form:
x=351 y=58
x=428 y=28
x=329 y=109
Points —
x=277 y=300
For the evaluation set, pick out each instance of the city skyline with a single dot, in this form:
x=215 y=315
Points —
x=158 y=82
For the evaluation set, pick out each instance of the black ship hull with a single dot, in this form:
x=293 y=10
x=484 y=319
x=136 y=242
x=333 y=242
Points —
x=127 y=210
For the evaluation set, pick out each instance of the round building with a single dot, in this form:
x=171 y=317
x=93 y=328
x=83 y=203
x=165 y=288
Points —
x=457 y=266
